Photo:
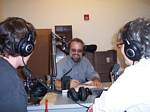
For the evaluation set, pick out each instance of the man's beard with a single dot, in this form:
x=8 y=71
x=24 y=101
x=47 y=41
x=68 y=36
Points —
x=76 y=59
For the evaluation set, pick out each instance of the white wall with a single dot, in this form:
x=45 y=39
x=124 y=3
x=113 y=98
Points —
x=1 y=10
x=106 y=16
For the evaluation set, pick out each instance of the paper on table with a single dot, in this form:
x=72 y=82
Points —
x=51 y=97
x=86 y=85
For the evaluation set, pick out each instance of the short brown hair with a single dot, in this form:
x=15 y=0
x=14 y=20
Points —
x=76 y=40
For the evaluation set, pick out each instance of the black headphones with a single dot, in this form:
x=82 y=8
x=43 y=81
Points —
x=25 y=46
x=133 y=50
x=81 y=95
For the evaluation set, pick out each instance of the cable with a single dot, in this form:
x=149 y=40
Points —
x=26 y=70
x=81 y=104
x=67 y=72
x=28 y=74
x=23 y=61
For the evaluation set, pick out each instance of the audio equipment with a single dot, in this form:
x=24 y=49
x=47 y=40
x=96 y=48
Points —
x=132 y=49
x=81 y=95
x=39 y=88
x=34 y=88
x=21 y=41
x=64 y=44
x=61 y=43
x=25 y=46
x=65 y=82
x=26 y=70
x=115 y=72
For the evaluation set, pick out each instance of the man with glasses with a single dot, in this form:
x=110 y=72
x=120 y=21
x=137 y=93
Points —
x=130 y=92
x=77 y=67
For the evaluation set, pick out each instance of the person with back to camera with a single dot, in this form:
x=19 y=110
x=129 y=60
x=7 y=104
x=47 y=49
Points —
x=17 y=38
x=79 y=67
x=130 y=93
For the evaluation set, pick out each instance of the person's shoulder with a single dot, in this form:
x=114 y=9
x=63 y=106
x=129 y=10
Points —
x=85 y=58
x=65 y=59
x=143 y=64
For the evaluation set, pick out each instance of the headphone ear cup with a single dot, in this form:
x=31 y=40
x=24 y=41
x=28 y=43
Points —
x=73 y=94
x=88 y=91
x=25 y=46
x=132 y=51
x=82 y=94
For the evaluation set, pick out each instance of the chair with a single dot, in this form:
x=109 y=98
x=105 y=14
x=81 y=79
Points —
x=103 y=62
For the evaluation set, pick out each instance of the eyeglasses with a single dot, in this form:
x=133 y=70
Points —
x=77 y=50
x=119 y=44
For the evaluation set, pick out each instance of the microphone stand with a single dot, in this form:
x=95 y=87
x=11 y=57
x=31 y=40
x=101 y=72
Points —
x=28 y=81
x=29 y=87
x=54 y=68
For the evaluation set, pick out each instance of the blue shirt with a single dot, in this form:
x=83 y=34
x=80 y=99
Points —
x=82 y=70
x=13 y=97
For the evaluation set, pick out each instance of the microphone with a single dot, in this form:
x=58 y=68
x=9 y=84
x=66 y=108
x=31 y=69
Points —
x=61 y=42
x=43 y=84
x=40 y=88
x=64 y=43
x=115 y=73
x=27 y=71
x=65 y=80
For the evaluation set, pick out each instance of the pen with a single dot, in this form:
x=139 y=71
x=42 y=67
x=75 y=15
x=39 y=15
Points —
x=46 y=105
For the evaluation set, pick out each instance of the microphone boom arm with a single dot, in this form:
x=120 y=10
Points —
x=55 y=38
x=54 y=67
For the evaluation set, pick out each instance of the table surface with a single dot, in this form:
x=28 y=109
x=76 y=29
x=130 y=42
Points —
x=61 y=103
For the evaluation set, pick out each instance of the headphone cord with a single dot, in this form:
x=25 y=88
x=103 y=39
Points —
x=81 y=104
x=133 y=62
x=26 y=70
x=23 y=61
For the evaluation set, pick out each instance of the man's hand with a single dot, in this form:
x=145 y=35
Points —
x=74 y=83
x=96 y=83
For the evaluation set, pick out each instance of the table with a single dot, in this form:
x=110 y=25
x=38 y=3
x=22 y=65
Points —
x=61 y=103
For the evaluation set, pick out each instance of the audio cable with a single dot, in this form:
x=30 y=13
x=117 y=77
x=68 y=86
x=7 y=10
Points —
x=81 y=104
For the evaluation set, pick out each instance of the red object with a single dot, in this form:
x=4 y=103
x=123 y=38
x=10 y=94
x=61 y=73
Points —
x=90 y=109
x=86 y=17
x=46 y=105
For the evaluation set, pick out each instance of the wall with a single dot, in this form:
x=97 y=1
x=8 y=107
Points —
x=106 y=16
x=1 y=10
